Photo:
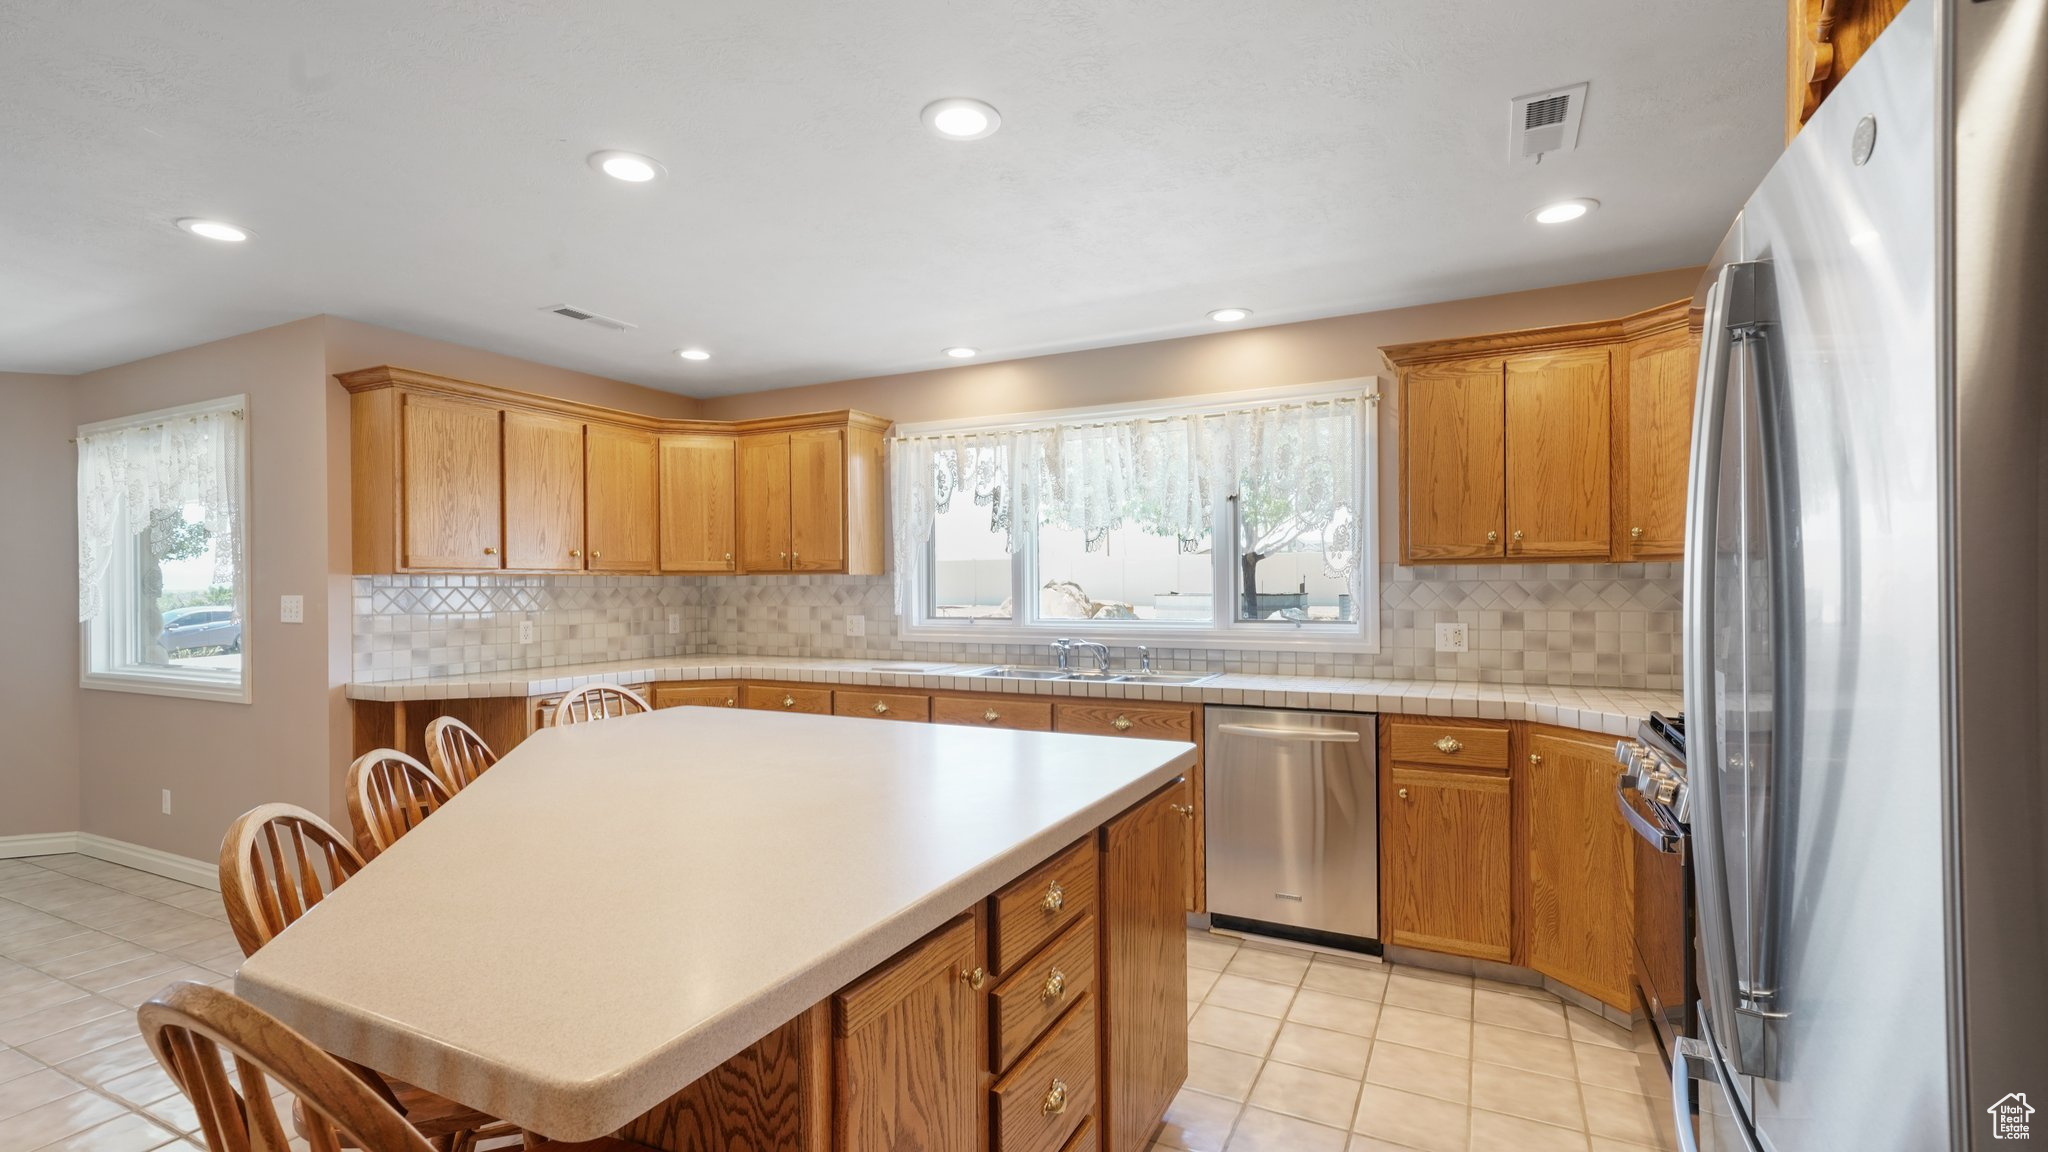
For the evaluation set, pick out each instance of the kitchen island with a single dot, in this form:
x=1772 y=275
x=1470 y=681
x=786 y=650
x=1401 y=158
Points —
x=706 y=928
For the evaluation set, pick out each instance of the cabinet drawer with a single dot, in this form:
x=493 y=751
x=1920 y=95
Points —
x=1040 y=905
x=697 y=696
x=1110 y=718
x=1084 y=1140
x=881 y=705
x=982 y=712
x=1035 y=994
x=1052 y=1090
x=769 y=698
x=1420 y=742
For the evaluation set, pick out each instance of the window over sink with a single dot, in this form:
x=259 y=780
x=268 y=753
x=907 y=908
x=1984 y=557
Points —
x=1241 y=521
x=162 y=574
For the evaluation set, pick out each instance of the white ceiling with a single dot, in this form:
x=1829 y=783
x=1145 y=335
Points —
x=421 y=166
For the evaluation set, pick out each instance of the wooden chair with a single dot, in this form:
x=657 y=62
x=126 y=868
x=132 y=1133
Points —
x=457 y=754
x=188 y=1026
x=599 y=702
x=389 y=794
x=275 y=862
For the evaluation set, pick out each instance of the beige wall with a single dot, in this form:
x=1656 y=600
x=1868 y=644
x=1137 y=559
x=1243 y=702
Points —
x=38 y=606
x=1335 y=349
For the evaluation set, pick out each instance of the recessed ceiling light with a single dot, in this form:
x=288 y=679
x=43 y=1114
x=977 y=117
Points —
x=962 y=353
x=960 y=118
x=214 y=230
x=1230 y=315
x=631 y=167
x=693 y=354
x=1564 y=211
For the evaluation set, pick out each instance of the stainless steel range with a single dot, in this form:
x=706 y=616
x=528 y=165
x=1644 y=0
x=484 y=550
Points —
x=1653 y=797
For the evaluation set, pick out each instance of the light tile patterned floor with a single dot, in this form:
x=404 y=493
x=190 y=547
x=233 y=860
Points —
x=1317 y=1054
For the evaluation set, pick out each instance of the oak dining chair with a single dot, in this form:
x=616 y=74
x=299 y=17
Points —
x=196 y=1031
x=276 y=861
x=599 y=702
x=389 y=794
x=456 y=753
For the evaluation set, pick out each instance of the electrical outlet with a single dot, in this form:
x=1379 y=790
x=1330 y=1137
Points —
x=526 y=631
x=291 y=609
x=167 y=801
x=675 y=623
x=1450 y=638
x=856 y=625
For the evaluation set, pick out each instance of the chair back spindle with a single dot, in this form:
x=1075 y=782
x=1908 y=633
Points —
x=456 y=753
x=390 y=794
x=276 y=861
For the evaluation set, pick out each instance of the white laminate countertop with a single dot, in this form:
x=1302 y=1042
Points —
x=1615 y=711
x=617 y=908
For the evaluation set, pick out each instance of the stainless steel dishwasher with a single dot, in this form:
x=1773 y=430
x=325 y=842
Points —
x=1293 y=824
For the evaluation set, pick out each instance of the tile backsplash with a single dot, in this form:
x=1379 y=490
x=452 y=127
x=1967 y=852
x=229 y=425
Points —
x=1563 y=624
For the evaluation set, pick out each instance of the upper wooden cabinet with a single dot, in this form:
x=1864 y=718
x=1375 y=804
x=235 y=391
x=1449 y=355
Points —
x=619 y=480
x=1550 y=444
x=697 y=471
x=450 y=476
x=1823 y=40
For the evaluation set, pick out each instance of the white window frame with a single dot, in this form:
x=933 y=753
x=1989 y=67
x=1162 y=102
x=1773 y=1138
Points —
x=1361 y=634
x=103 y=643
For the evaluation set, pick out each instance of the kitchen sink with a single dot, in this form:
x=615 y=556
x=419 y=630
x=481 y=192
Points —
x=1168 y=679
x=1009 y=673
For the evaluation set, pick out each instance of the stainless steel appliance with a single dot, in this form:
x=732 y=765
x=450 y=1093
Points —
x=1864 y=629
x=1654 y=798
x=1293 y=824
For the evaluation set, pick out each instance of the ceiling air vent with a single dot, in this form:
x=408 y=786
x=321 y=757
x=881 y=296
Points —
x=588 y=316
x=1545 y=122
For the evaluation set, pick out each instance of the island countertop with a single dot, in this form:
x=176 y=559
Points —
x=617 y=908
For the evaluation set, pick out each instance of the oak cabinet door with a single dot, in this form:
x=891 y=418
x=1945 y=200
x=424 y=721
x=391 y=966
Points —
x=1653 y=418
x=764 y=502
x=543 y=492
x=1451 y=460
x=1557 y=456
x=906 y=1072
x=619 y=479
x=1144 y=954
x=1445 y=854
x=1581 y=867
x=817 y=500
x=697 y=503
x=452 y=484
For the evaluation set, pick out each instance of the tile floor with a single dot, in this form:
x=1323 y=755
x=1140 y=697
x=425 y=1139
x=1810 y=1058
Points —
x=1301 y=1053
x=1287 y=1051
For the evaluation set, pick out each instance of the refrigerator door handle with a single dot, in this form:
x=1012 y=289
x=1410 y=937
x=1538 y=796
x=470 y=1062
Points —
x=1693 y=1059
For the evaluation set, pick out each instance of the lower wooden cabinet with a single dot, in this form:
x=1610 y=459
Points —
x=1052 y=1090
x=906 y=1070
x=1580 y=866
x=1445 y=849
x=1144 y=955
x=776 y=698
x=696 y=696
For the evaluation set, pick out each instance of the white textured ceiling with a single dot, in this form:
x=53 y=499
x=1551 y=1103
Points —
x=421 y=166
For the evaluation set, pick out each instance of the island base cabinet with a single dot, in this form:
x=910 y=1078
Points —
x=1144 y=955
x=905 y=1050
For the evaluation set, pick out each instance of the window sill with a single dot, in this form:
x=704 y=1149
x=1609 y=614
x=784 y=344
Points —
x=191 y=688
x=1123 y=635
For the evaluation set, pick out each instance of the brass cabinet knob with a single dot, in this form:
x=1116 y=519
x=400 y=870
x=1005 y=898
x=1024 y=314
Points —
x=731 y=703
x=1493 y=537
x=1055 y=897
x=792 y=557
x=1187 y=810
x=596 y=555
x=991 y=716
x=975 y=979
x=1403 y=793
x=1635 y=533
x=728 y=557
x=574 y=552
x=1449 y=746
x=490 y=551
x=788 y=701
x=1534 y=758
x=1055 y=986
x=782 y=556
x=881 y=709
x=1055 y=1098
x=1121 y=723
x=1517 y=537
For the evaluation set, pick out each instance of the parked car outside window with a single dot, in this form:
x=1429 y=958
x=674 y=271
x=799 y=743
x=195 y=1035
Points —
x=201 y=628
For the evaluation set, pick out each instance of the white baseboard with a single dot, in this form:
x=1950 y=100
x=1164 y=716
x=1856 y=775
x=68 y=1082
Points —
x=200 y=873
x=38 y=844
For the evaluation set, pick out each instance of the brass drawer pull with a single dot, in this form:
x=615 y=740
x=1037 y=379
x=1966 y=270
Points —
x=1055 y=986
x=1055 y=1099
x=788 y=701
x=975 y=979
x=991 y=716
x=1121 y=723
x=730 y=702
x=1449 y=746
x=881 y=709
x=1055 y=897
x=1187 y=810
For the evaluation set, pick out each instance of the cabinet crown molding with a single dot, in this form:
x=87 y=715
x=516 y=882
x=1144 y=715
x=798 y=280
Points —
x=386 y=376
x=1586 y=334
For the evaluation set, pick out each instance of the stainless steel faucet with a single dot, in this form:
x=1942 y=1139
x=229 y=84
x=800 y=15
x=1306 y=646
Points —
x=1061 y=649
x=1101 y=652
x=1144 y=660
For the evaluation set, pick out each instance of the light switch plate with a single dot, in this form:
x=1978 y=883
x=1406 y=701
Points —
x=291 y=609
x=856 y=625
x=1450 y=638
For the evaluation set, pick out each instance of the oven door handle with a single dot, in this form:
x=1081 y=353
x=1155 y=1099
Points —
x=1661 y=838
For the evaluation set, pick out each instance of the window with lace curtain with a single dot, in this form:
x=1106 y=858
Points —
x=1248 y=520
x=162 y=576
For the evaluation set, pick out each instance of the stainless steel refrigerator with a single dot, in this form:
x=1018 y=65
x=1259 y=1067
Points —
x=1864 y=587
